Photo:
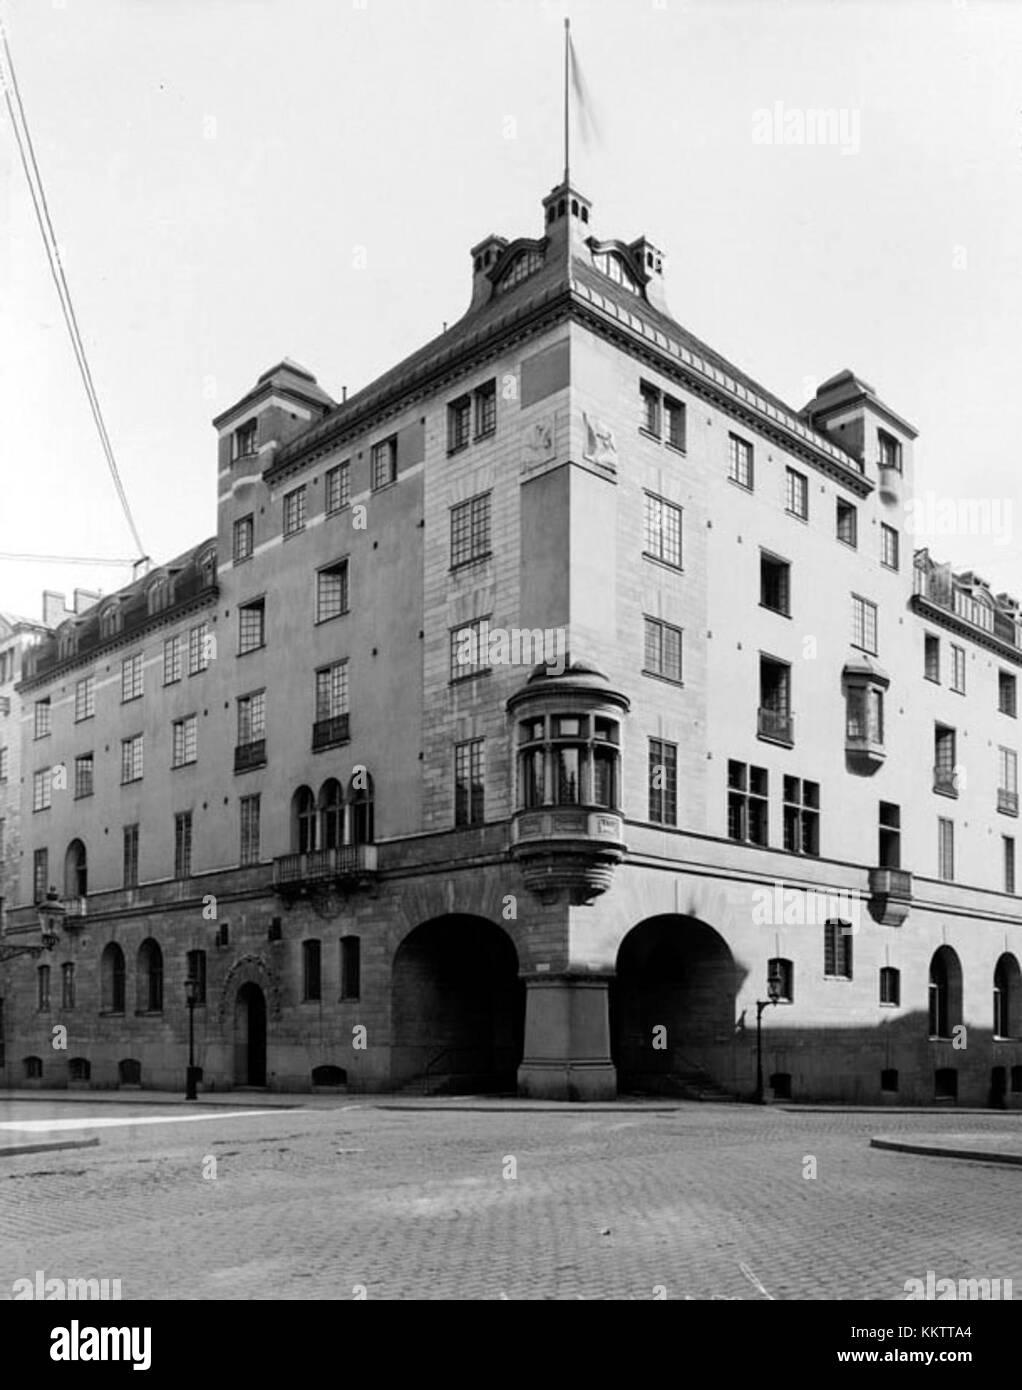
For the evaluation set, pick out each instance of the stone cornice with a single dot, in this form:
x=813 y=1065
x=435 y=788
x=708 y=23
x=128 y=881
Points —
x=943 y=617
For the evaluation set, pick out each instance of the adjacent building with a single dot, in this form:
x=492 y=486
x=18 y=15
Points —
x=533 y=713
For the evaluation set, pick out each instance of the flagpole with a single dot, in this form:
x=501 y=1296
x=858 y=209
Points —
x=567 y=84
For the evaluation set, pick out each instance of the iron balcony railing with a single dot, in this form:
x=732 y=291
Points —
x=327 y=733
x=249 y=755
x=777 y=724
x=1007 y=802
x=945 y=781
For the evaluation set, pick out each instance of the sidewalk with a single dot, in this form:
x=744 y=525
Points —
x=984 y=1148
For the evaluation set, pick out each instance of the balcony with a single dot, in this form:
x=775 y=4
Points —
x=571 y=849
x=74 y=908
x=889 y=481
x=777 y=725
x=890 y=895
x=1007 y=802
x=319 y=869
x=945 y=781
x=328 y=733
x=250 y=755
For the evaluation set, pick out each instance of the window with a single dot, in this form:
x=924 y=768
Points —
x=775 y=720
x=338 y=487
x=249 y=812
x=4 y=759
x=568 y=760
x=469 y=782
x=662 y=650
x=351 y=968
x=1008 y=855
x=674 y=416
x=110 y=621
x=470 y=530
x=520 y=268
x=485 y=401
x=186 y=735
x=244 y=441
x=196 y=970
x=85 y=698
x=183 y=844
x=864 y=624
x=837 y=950
x=614 y=268
x=889 y=1079
x=131 y=677
x=173 y=654
x=1006 y=997
x=131 y=759
x=150 y=977
x=663 y=782
x=946 y=850
x=889 y=450
x=958 y=669
x=740 y=461
x=945 y=992
x=130 y=845
x=459 y=423
x=42 y=789
x=774 y=584
x=252 y=717
x=40 y=874
x=1006 y=695
x=847 y=523
x=797 y=498
x=889 y=836
x=890 y=985
x=801 y=816
x=332 y=691
x=469 y=651
x=83 y=776
x=663 y=531
x=251 y=626
x=311 y=975
x=332 y=591
x=383 y=463
x=650 y=409
x=161 y=595
x=76 y=870
x=67 y=985
x=304 y=820
x=944 y=760
x=931 y=657
x=1007 y=781
x=747 y=803
x=889 y=546
x=43 y=987
x=331 y=813
x=244 y=538
x=201 y=646
x=784 y=972
x=42 y=717
x=294 y=511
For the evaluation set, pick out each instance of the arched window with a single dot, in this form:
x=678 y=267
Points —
x=945 y=992
x=611 y=265
x=150 y=977
x=76 y=874
x=79 y=1069
x=129 y=1072
x=360 y=799
x=524 y=265
x=111 y=970
x=303 y=820
x=159 y=594
x=67 y=641
x=1007 y=981
x=331 y=813
x=110 y=621
x=207 y=567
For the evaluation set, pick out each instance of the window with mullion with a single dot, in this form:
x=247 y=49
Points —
x=332 y=691
x=663 y=531
x=663 y=646
x=469 y=785
x=797 y=498
x=663 y=782
x=294 y=511
x=332 y=592
x=470 y=530
x=338 y=487
x=252 y=717
x=740 y=461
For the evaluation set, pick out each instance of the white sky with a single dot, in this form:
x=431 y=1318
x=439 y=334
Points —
x=212 y=167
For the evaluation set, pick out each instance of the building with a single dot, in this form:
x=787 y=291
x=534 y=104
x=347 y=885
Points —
x=531 y=709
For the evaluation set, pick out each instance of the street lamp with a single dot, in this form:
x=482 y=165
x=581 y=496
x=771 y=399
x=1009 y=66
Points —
x=774 y=983
x=51 y=915
x=191 y=998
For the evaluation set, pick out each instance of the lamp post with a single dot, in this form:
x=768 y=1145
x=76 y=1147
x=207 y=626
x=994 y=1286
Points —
x=191 y=998
x=774 y=983
x=51 y=914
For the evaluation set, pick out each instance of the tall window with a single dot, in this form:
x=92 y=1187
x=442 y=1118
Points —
x=740 y=461
x=173 y=654
x=890 y=985
x=674 y=419
x=42 y=789
x=944 y=760
x=774 y=583
x=131 y=759
x=775 y=721
x=889 y=546
x=469 y=650
x=150 y=977
x=312 y=985
x=662 y=650
x=40 y=874
x=469 y=783
x=112 y=975
x=797 y=494
x=244 y=538
x=801 y=816
x=186 y=736
x=252 y=717
x=305 y=820
x=958 y=669
x=130 y=845
x=945 y=992
x=332 y=591
x=251 y=626
x=338 y=487
x=42 y=717
x=889 y=836
x=470 y=530
x=83 y=776
x=383 y=463
x=131 y=677
x=294 y=511
x=196 y=970
x=351 y=983
x=331 y=813
x=43 y=987
x=85 y=698
x=864 y=624
x=1006 y=693
x=663 y=531
x=332 y=691
x=249 y=811
x=747 y=803
x=837 y=950
x=183 y=844
x=650 y=408
x=663 y=782
x=459 y=423
x=946 y=850
x=1008 y=855
x=1007 y=781
x=67 y=985
x=889 y=450
x=847 y=523
x=484 y=399
x=200 y=647
x=931 y=657
x=76 y=870
x=244 y=441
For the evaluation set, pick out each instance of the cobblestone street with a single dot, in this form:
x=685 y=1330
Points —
x=706 y=1201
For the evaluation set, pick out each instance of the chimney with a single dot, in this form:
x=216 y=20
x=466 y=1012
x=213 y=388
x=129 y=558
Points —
x=54 y=608
x=484 y=258
x=651 y=260
x=84 y=600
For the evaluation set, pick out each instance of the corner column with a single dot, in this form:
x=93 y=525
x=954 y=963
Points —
x=567 y=1039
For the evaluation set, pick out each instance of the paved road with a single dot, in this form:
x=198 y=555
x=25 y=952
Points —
x=706 y=1201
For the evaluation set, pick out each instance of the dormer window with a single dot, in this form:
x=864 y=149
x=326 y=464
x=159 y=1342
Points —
x=67 y=641
x=159 y=595
x=243 y=441
x=524 y=265
x=612 y=265
x=110 y=621
x=207 y=568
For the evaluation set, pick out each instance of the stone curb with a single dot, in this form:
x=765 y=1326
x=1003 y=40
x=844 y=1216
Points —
x=978 y=1155
x=13 y=1150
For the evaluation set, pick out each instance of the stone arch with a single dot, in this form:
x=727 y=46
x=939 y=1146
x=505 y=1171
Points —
x=250 y=969
x=945 y=992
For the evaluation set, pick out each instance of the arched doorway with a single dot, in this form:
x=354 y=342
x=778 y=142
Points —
x=458 y=1021
x=250 y=1036
x=945 y=992
x=672 y=1005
